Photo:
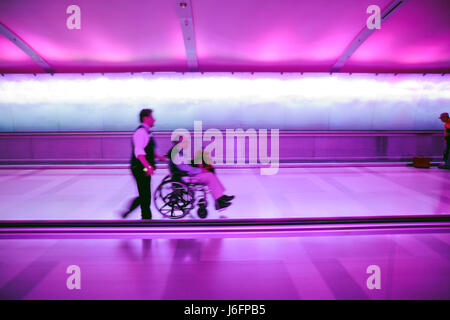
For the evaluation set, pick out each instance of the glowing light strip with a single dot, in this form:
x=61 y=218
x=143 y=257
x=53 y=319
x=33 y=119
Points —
x=172 y=88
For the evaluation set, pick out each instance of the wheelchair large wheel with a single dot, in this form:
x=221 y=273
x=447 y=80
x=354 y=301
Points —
x=173 y=199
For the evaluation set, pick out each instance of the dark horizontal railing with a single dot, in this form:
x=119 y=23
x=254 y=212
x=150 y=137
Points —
x=284 y=133
x=294 y=146
x=212 y=228
x=5 y=224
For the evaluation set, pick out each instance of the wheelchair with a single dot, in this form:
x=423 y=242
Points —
x=177 y=195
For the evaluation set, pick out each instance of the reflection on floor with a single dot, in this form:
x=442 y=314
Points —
x=412 y=266
x=292 y=192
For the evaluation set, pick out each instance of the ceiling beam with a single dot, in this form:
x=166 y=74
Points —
x=184 y=10
x=14 y=38
x=365 y=33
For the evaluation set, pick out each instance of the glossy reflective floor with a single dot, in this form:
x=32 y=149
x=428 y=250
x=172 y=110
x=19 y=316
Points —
x=292 y=192
x=319 y=266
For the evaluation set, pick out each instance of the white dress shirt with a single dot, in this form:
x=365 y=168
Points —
x=141 y=137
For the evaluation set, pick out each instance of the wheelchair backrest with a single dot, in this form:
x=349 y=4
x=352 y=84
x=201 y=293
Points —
x=175 y=171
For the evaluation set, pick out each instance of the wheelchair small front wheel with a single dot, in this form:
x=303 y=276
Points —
x=202 y=212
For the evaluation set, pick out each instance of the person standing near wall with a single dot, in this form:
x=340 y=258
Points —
x=143 y=157
x=446 y=120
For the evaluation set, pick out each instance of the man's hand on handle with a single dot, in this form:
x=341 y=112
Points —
x=149 y=171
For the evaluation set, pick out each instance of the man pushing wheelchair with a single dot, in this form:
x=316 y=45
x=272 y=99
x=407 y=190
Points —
x=178 y=192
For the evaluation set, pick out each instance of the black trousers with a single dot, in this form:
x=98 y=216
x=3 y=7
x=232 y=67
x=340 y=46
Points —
x=447 y=148
x=144 y=198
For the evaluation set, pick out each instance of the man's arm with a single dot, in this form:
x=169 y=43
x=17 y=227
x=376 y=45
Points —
x=146 y=165
x=161 y=158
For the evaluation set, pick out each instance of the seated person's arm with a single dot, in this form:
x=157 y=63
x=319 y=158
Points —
x=189 y=169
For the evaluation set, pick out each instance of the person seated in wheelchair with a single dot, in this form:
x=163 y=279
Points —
x=200 y=170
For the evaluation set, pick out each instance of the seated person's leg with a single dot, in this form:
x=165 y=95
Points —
x=214 y=185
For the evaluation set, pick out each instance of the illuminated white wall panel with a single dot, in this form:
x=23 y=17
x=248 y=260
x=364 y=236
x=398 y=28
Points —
x=72 y=102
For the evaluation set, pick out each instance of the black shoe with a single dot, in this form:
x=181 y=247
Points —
x=221 y=205
x=227 y=198
x=147 y=218
x=125 y=214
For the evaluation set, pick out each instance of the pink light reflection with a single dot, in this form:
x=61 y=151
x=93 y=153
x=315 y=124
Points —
x=9 y=52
